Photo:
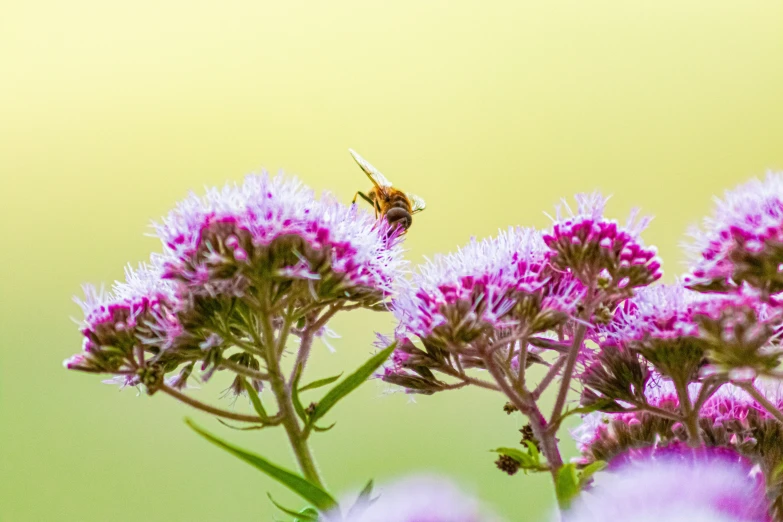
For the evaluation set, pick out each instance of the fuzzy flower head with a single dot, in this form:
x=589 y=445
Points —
x=683 y=485
x=486 y=285
x=659 y=323
x=420 y=499
x=743 y=239
x=120 y=327
x=271 y=243
x=597 y=249
x=741 y=331
x=729 y=420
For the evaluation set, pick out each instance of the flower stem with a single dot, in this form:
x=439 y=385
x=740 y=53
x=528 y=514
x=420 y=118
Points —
x=570 y=365
x=207 y=408
x=282 y=393
x=690 y=415
x=762 y=400
x=527 y=406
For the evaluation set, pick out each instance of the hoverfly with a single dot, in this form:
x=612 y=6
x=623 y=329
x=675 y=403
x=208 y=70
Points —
x=393 y=204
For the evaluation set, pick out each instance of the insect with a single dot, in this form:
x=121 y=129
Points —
x=393 y=204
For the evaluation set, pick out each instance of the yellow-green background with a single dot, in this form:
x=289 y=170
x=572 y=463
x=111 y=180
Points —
x=111 y=111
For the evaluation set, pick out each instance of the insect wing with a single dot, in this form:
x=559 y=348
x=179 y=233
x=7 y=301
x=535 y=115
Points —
x=372 y=173
x=417 y=203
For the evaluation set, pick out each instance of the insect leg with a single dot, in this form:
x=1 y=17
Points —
x=364 y=197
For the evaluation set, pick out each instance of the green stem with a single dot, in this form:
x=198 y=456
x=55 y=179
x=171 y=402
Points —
x=190 y=401
x=282 y=393
x=690 y=415
x=762 y=400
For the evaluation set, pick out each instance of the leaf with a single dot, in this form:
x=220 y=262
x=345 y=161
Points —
x=524 y=459
x=590 y=470
x=303 y=487
x=363 y=501
x=534 y=453
x=566 y=485
x=308 y=512
x=255 y=400
x=298 y=515
x=351 y=382
x=320 y=429
x=243 y=428
x=584 y=410
x=320 y=382
x=300 y=411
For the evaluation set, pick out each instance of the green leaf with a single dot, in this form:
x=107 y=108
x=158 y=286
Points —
x=590 y=470
x=566 y=485
x=524 y=459
x=320 y=429
x=300 y=411
x=243 y=428
x=320 y=382
x=303 y=487
x=534 y=453
x=298 y=515
x=307 y=512
x=351 y=382
x=255 y=400
x=584 y=410
x=363 y=501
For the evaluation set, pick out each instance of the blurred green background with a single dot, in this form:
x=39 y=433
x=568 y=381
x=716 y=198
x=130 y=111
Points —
x=111 y=111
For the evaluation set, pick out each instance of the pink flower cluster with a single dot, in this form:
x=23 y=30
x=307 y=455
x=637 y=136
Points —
x=589 y=244
x=743 y=239
x=482 y=281
x=224 y=237
x=119 y=326
x=660 y=311
x=255 y=240
x=729 y=403
x=679 y=485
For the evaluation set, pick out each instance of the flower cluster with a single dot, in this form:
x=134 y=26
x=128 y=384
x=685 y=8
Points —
x=681 y=484
x=589 y=244
x=129 y=328
x=729 y=418
x=675 y=397
x=658 y=322
x=270 y=242
x=460 y=304
x=743 y=240
x=239 y=266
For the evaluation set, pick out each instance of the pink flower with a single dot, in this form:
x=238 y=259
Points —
x=246 y=240
x=655 y=312
x=682 y=485
x=476 y=287
x=591 y=245
x=421 y=499
x=743 y=240
x=137 y=316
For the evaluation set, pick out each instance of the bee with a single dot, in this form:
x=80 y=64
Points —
x=393 y=204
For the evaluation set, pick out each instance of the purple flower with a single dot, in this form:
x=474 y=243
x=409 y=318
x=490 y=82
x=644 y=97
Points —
x=476 y=288
x=120 y=326
x=270 y=240
x=741 y=330
x=656 y=312
x=659 y=323
x=420 y=499
x=593 y=246
x=743 y=240
x=682 y=485
x=730 y=418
